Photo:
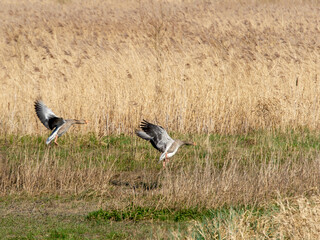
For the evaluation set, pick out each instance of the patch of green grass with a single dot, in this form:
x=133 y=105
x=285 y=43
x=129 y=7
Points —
x=121 y=141
x=132 y=223
x=138 y=213
x=75 y=227
x=123 y=149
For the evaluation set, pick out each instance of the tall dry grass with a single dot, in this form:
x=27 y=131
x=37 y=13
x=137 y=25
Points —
x=192 y=66
x=296 y=219
x=35 y=175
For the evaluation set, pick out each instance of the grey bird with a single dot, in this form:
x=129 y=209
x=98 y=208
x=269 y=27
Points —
x=160 y=140
x=52 y=122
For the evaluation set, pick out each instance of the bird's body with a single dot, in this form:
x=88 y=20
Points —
x=52 y=122
x=160 y=140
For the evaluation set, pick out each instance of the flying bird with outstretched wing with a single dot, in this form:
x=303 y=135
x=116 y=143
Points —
x=160 y=140
x=53 y=122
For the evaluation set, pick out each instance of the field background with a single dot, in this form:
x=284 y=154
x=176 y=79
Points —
x=240 y=78
x=224 y=66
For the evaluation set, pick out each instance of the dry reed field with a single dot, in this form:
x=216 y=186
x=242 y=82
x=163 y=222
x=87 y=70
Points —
x=206 y=67
x=240 y=78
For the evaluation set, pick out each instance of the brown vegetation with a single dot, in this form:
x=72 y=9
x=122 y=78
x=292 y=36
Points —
x=205 y=67
x=296 y=219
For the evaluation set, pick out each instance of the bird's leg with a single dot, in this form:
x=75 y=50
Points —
x=164 y=160
x=55 y=140
x=167 y=159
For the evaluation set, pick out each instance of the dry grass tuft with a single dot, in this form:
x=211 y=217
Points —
x=299 y=220
x=233 y=184
x=37 y=175
x=295 y=219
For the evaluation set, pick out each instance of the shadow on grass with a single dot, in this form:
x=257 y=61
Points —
x=136 y=182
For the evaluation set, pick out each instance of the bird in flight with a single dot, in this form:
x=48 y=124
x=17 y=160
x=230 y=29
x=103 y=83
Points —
x=52 y=122
x=160 y=140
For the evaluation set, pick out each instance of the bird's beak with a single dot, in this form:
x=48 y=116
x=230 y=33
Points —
x=194 y=144
x=86 y=121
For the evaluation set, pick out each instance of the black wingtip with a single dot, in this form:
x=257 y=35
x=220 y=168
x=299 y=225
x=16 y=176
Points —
x=37 y=102
x=144 y=123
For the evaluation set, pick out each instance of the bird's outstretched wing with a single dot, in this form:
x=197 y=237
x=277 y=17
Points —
x=46 y=116
x=158 y=137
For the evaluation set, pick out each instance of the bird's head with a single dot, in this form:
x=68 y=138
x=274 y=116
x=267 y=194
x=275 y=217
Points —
x=190 y=143
x=81 y=121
